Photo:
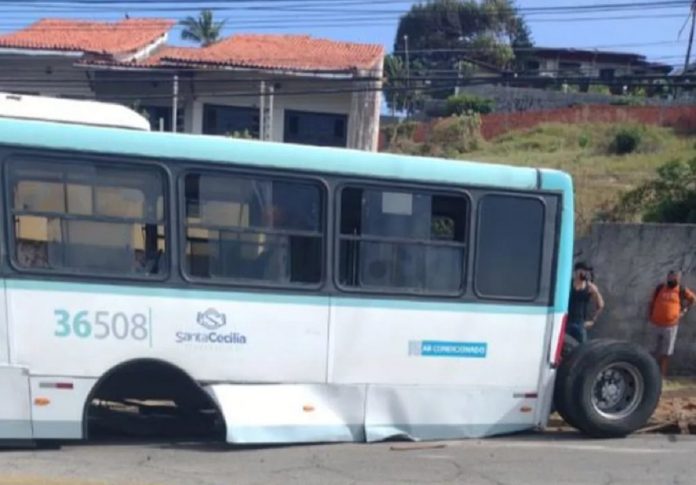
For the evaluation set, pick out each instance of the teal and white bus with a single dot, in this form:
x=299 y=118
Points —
x=275 y=293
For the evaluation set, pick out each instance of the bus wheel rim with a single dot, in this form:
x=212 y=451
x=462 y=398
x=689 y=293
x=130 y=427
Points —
x=617 y=390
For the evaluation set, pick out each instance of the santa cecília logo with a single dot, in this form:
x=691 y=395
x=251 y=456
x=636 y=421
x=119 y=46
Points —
x=211 y=320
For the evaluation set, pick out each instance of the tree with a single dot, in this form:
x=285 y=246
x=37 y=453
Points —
x=461 y=29
x=202 y=29
x=670 y=198
x=443 y=34
x=395 y=84
x=400 y=98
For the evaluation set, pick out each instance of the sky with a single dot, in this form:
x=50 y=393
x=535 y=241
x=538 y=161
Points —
x=652 y=30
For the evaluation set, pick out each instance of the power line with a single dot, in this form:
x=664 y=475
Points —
x=423 y=89
x=209 y=4
x=309 y=5
x=349 y=22
x=423 y=80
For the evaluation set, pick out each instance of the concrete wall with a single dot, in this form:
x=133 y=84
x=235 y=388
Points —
x=513 y=99
x=630 y=260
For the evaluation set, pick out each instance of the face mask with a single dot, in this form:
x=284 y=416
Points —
x=672 y=284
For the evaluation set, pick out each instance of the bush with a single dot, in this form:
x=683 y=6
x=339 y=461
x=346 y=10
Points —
x=463 y=104
x=669 y=198
x=242 y=135
x=460 y=134
x=626 y=101
x=599 y=89
x=626 y=140
x=404 y=129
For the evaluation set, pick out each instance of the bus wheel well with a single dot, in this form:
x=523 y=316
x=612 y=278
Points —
x=150 y=397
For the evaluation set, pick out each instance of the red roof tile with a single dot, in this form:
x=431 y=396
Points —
x=112 y=38
x=286 y=52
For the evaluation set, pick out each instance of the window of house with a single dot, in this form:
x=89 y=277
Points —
x=396 y=240
x=533 y=65
x=88 y=218
x=253 y=229
x=607 y=74
x=569 y=67
x=322 y=129
x=509 y=247
x=230 y=120
x=161 y=117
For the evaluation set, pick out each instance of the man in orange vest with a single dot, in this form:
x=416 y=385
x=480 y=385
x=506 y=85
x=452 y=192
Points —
x=671 y=301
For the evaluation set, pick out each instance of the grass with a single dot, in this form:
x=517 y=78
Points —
x=584 y=151
x=678 y=383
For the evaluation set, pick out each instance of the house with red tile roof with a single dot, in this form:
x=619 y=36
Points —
x=287 y=88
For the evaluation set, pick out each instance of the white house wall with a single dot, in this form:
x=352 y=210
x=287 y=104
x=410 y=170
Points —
x=43 y=75
x=224 y=93
x=230 y=88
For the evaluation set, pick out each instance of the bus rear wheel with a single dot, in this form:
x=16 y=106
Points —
x=608 y=389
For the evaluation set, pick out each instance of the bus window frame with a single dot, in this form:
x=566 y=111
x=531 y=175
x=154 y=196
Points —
x=386 y=186
x=174 y=168
x=542 y=247
x=108 y=161
x=251 y=173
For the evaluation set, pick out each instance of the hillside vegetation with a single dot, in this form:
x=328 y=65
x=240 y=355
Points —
x=605 y=160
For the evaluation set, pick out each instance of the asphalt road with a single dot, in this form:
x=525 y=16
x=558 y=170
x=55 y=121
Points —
x=532 y=459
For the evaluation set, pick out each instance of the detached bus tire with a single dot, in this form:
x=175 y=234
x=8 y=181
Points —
x=615 y=388
x=566 y=375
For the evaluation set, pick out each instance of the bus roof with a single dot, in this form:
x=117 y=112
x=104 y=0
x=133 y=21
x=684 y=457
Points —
x=283 y=156
x=70 y=111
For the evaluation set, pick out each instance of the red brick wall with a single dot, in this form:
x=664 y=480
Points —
x=682 y=118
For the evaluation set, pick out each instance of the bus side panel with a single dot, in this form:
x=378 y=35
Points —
x=60 y=411
x=444 y=412
x=414 y=343
x=291 y=413
x=85 y=330
x=15 y=399
x=438 y=370
x=15 y=405
x=4 y=331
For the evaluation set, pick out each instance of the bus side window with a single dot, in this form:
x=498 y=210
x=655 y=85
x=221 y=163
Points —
x=402 y=241
x=509 y=247
x=254 y=229
x=84 y=217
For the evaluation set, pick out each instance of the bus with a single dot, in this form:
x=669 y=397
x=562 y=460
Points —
x=262 y=292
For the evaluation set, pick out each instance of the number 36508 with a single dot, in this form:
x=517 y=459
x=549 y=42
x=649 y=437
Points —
x=102 y=325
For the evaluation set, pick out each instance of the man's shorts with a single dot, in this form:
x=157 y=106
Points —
x=662 y=339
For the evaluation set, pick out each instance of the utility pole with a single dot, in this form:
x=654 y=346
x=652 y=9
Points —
x=269 y=114
x=691 y=37
x=408 y=78
x=266 y=111
x=262 y=111
x=175 y=102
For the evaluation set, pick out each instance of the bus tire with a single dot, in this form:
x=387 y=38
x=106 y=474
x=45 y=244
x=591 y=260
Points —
x=615 y=389
x=565 y=379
